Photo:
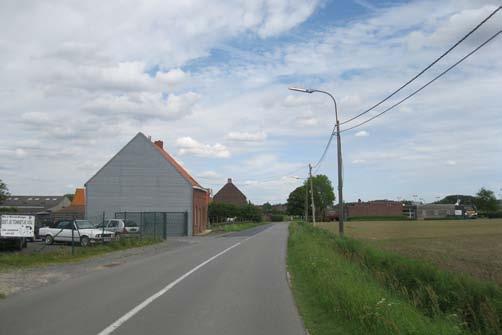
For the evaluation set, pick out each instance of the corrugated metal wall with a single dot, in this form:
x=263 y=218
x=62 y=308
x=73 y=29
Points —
x=138 y=179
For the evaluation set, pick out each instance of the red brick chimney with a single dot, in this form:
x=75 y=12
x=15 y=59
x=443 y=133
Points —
x=159 y=143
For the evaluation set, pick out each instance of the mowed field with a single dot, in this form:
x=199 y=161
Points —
x=473 y=247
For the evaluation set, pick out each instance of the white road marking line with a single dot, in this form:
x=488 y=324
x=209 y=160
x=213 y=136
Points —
x=111 y=328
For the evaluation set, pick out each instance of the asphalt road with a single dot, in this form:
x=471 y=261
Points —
x=231 y=284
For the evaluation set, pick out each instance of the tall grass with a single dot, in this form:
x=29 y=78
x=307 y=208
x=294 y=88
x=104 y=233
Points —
x=477 y=304
x=336 y=295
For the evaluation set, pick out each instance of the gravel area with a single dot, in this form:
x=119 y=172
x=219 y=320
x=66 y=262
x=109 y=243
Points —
x=15 y=281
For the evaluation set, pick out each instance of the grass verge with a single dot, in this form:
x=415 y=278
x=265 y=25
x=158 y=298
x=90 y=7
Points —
x=343 y=286
x=233 y=227
x=10 y=261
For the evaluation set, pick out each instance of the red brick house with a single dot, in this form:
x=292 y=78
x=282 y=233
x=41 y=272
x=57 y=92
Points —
x=230 y=194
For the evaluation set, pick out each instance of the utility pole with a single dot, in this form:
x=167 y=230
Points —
x=341 y=213
x=306 y=202
x=312 y=194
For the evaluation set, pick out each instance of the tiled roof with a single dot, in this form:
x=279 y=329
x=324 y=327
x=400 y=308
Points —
x=32 y=201
x=177 y=166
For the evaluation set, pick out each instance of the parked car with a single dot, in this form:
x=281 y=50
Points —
x=83 y=232
x=120 y=227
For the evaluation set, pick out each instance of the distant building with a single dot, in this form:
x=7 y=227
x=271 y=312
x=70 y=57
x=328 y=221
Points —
x=40 y=206
x=374 y=208
x=368 y=208
x=436 y=211
x=35 y=204
x=75 y=211
x=230 y=194
x=144 y=182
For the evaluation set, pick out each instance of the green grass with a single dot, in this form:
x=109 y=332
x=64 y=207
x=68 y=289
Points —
x=377 y=218
x=346 y=287
x=9 y=261
x=462 y=246
x=233 y=227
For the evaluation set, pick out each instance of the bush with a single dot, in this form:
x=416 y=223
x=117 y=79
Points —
x=219 y=212
x=8 y=210
x=492 y=215
x=276 y=218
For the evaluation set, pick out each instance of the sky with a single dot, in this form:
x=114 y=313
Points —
x=78 y=79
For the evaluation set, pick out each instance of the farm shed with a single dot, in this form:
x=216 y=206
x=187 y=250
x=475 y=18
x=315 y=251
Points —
x=143 y=178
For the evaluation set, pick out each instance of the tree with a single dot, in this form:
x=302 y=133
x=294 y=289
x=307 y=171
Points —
x=250 y=212
x=324 y=197
x=486 y=200
x=296 y=201
x=324 y=194
x=267 y=208
x=452 y=199
x=4 y=191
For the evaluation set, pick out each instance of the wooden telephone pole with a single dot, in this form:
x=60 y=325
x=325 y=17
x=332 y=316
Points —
x=312 y=194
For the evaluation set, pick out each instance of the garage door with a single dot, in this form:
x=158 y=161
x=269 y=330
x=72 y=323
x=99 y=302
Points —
x=176 y=224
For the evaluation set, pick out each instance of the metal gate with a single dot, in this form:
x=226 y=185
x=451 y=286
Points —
x=158 y=224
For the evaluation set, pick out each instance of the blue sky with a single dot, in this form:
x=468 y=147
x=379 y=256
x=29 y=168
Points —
x=77 y=81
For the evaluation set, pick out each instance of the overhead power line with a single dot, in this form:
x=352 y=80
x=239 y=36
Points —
x=427 y=84
x=325 y=151
x=424 y=70
x=333 y=133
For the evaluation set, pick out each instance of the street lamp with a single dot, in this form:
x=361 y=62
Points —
x=339 y=156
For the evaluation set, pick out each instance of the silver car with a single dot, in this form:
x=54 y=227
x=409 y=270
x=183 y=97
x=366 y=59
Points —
x=120 y=227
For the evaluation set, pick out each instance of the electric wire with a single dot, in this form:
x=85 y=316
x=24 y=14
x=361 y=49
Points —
x=424 y=70
x=425 y=85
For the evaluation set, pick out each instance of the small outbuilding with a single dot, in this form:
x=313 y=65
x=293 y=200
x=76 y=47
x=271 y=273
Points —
x=145 y=182
x=435 y=211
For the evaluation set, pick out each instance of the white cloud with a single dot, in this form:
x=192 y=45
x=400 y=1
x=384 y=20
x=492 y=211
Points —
x=362 y=133
x=451 y=162
x=180 y=105
x=172 y=78
x=246 y=136
x=209 y=174
x=21 y=153
x=307 y=121
x=80 y=92
x=35 y=117
x=188 y=145
x=145 y=104
x=296 y=101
